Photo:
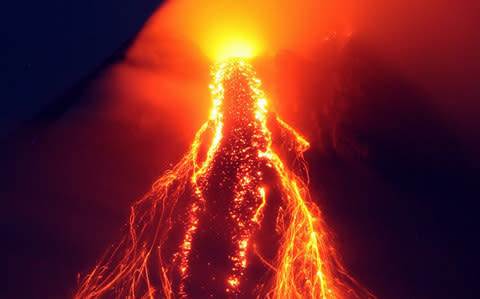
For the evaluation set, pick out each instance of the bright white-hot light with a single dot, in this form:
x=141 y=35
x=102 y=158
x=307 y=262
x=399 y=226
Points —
x=234 y=48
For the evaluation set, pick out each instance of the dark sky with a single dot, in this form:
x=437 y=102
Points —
x=47 y=46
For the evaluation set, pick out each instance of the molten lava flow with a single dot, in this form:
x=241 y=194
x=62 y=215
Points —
x=232 y=219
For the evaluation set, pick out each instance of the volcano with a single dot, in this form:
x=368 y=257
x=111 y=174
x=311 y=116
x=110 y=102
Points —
x=386 y=171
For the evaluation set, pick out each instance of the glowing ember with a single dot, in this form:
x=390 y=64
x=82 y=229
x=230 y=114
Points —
x=230 y=219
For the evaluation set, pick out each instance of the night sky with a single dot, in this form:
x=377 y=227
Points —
x=50 y=45
x=90 y=117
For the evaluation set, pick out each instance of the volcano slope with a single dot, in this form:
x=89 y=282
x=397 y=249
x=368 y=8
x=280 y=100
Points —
x=394 y=182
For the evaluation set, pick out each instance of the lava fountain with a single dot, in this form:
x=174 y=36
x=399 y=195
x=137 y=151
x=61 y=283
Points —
x=233 y=219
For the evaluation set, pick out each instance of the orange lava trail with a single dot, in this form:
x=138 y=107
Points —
x=161 y=254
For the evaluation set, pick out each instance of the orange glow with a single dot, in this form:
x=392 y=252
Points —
x=305 y=266
x=228 y=40
x=226 y=29
x=233 y=48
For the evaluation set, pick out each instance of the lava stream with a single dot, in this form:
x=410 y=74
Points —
x=233 y=219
